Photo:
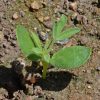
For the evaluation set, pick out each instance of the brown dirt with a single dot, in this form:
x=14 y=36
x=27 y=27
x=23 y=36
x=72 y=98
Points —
x=78 y=84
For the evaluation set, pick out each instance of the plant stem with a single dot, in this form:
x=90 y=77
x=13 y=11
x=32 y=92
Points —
x=45 y=66
x=51 y=44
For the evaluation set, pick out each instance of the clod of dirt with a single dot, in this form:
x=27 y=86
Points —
x=15 y=16
x=22 y=13
x=3 y=94
x=19 y=95
x=46 y=21
x=38 y=91
x=74 y=15
x=79 y=18
x=73 y=6
x=30 y=89
x=89 y=82
x=49 y=97
x=35 y=5
x=48 y=24
x=1 y=36
x=33 y=78
x=98 y=68
x=42 y=35
x=19 y=66
x=40 y=18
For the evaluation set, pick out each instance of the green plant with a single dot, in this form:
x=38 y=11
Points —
x=67 y=57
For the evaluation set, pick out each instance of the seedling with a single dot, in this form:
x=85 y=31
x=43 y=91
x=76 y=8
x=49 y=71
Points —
x=66 y=57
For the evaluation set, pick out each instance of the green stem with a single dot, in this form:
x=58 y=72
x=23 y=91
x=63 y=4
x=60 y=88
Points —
x=45 y=66
x=50 y=45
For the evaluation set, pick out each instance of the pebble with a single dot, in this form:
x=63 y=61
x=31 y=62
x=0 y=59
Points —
x=98 y=68
x=22 y=13
x=79 y=18
x=30 y=89
x=41 y=19
x=48 y=24
x=99 y=53
x=38 y=91
x=62 y=42
x=15 y=16
x=89 y=87
x=46 y=21
x=73 y=6
x=89 y=82
x=42 y=35
x=35 y=5
x=46 y=18
x=49 y=97
x=74 y=16
x=1 y=36
x=84 y=20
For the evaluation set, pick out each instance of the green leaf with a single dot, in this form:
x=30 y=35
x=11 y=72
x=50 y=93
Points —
x=36 y=40
x=68 y=33
x=71 y=57
x=24 y=39
x=46 y=58
x=48 y=42
x=35 y=54
x=58 y=26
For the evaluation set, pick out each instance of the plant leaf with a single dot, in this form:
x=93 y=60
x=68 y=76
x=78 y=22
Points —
x=71 y=57
x=36 y=40
x=35 y=54
x=47 y=43
x=46 y=56
x=58 y=26
x=24 y=39
x=68 y=33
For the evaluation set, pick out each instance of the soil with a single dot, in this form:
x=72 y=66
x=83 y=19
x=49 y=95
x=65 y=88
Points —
x=78 y=84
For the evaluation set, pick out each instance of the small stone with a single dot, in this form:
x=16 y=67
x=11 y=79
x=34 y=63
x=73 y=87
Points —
x=15 y=16
x=74 y=16
x=84 y=20
x=48 y=24
x=6 y=51
x=79 y=18
x=30 y=89
x=42 y=35
x=38 y=91
x=89 y=82
x=1 y=36
x=40 y=19
x=98 y=52
x=73 y=6
x=98 y=68
x=46 y=18
x=84 y=71
x=22 y=13
x=49 y=97
x=89 y=87
x=62 y=42
x=35 y=5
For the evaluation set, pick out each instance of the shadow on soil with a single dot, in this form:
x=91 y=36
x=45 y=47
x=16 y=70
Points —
x=9 y=80
x=55 y=81
x=96 y=4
